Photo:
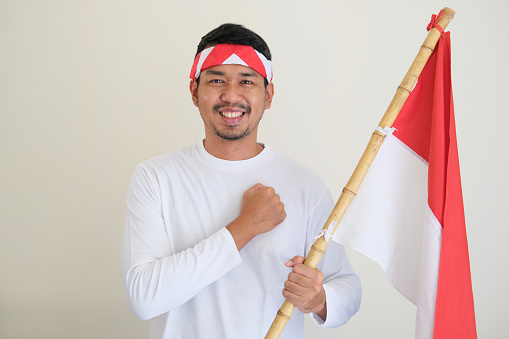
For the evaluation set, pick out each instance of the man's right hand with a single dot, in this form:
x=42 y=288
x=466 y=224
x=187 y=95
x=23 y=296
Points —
x=261 y=211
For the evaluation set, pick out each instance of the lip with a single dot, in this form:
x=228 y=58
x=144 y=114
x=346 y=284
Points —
x=231 y=113
x=232 y=116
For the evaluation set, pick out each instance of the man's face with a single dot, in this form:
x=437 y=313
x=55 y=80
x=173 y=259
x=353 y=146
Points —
x=231 y=100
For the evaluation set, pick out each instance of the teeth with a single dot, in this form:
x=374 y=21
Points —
x=231 y=114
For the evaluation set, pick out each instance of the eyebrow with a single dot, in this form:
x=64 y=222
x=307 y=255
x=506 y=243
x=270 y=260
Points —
x=250 y=74
x=219 y=73
x=210 y=71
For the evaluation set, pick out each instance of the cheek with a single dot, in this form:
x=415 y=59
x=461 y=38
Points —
x=204 y=97
x=263 y=102
x=204 y=103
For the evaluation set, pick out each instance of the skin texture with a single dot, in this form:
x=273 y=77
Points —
x=304 y=288
x=231 y=100
x=231 y=89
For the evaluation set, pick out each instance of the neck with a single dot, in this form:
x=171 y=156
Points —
x=232 y=150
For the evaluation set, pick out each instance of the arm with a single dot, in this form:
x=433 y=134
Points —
x=156 y=280
x=332 y=291
x=261 y=211
x=341 y=285
x=304 y=288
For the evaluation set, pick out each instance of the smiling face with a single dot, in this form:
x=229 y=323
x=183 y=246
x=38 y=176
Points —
x=231 y=100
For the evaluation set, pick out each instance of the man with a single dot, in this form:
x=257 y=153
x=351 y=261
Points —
x=215 y=231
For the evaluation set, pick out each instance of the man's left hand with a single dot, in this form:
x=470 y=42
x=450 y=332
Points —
x=304 y=288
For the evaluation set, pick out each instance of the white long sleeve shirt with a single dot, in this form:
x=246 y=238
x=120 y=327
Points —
x=181 y=267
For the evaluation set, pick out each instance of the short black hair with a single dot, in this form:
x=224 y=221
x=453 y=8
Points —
x=236 y=35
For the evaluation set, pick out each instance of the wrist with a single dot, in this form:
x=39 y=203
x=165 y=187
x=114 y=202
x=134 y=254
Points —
x=239 y=232
x=322 y=309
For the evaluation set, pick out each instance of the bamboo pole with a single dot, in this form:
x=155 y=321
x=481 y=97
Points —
x=403 y=91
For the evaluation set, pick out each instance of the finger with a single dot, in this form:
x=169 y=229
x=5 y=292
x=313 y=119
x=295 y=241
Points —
x=292 y=297
x=294 y=292
x=304 y=298
x=300 y=279
x=298 y=296
x=311 y=284
x=295 y=260
x=296 y=283
x=298 y=259
x=310 y=272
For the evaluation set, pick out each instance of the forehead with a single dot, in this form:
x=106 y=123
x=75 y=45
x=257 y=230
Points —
x=232 y=70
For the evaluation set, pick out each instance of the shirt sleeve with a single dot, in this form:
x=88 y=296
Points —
x=342 y=286
x=155 y=280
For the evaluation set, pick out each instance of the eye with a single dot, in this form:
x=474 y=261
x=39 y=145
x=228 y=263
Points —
x=217 y=81
x=246 y=82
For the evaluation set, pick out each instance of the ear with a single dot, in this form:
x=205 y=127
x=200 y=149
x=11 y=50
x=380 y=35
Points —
x=269 y=94
x=193 y=88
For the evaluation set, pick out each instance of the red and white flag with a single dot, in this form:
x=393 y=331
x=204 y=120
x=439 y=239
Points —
x=408 y=214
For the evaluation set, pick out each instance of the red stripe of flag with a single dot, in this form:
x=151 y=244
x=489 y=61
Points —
x=429 y=129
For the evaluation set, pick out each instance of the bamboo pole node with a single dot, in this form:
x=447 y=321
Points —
x=375 y=142
x=350 y=192
x=432 y=49
x=318 y=249
x=283 y=315
x=379 y=134
x=405 y=89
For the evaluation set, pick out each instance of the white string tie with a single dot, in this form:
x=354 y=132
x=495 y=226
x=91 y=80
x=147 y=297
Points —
x=386 y=130
x=326 y=233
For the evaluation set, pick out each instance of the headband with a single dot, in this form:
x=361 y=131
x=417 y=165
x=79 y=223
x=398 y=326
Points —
x=225 y=54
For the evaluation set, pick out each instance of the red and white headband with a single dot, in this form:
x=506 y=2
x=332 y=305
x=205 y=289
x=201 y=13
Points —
x=226 y=54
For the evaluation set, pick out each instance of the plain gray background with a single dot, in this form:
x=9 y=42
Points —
x=88 y=89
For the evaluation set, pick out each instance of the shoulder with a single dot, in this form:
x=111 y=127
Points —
x=298 y=172
x=159 y=173
x=298 y=181
x=160 y=170
x=302 y=190
x=170 y=160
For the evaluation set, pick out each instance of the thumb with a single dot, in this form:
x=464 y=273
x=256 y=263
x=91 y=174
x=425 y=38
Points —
x=295 y=260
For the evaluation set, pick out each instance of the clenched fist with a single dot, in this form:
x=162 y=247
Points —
x=261 y=211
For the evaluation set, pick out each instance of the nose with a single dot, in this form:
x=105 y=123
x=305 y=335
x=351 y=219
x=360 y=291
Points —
x=231 y=93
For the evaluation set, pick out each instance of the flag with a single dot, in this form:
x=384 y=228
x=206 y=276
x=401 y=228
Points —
x=408 y=214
